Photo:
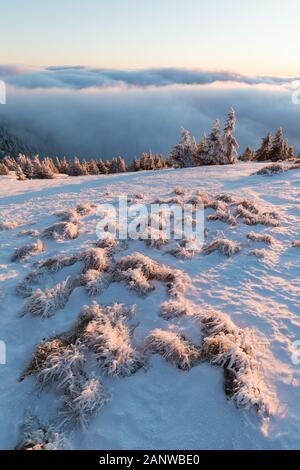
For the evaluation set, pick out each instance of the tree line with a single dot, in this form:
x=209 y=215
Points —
x=218 y=148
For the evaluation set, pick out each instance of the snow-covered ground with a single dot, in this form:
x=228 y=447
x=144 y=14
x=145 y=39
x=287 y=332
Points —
x=161 y=406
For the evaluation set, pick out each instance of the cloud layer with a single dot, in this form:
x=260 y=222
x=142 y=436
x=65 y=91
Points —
x=96 y=113
x=79 y=77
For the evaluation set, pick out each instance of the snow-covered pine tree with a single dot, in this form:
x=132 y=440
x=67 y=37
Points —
x=4 y=171
x=19 y=173
x=213 y=154
x=200 y=151
x=76 y=168
x=263 y=153
x=92 y=167
x=117 y=165
x=248 y=155
x=182 y=154
x=229 y=143
x=291 y=154
x=278 y=149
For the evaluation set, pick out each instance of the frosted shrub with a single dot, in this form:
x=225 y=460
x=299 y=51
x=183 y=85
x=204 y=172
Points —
x=45 y=349
x=223 y=245
x=174 y=348
x=95 y=282
x=57 y=263
x=231 y=348
x=62 y=231
x=69 y=215
x=94 y=258
x=28 y=233
x=85 y=208
x=271 y=170
x=39 y=436
x=45 y=303
x=26 y=251
x=109 y=244
x=137 y=281
x=181 y=252
x=109 y=337
x=175 y=308
x=261 y=238
x=223 y=216
x=10 y=224
x=83 y=402
x=61 y=368
x=259 y=253
x=296 y=244
x=176 y=281
x=25 y=287
x=256 y=217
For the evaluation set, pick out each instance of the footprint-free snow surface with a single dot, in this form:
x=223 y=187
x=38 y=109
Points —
x=207 y=357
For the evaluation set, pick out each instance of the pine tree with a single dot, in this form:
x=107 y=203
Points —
x=263 y=153
x=248 y=155
x=4 y=171
x=213 y=154
x=278 y=147
x=230 y=146
x=201 y=150
x=19 y=173
x=118 y=165
x=76 y=168
x=182 y=153
x=93 y=168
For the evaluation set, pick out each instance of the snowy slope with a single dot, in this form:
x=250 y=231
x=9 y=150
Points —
x=160 y=406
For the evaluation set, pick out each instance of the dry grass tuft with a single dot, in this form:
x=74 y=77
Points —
x=223 y=245
x=62 y=231
x=45 y=303
x=261 y=238
x=174 y=348
x=26 y=251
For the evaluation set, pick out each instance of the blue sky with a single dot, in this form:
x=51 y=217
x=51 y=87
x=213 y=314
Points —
x=248 y=36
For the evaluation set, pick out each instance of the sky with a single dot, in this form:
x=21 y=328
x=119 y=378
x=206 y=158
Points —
x=119 y=77
x=247 y=36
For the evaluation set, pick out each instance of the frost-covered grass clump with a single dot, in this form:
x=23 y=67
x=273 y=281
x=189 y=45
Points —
x=94 y=258
x=232 y=348
x=95 y=282
x=105 y=332
x=62 y=231
x=296 y=244
x=222 y=245
x=45 y=303
x=82 y=402
x=173 y=347
x=147 y=269
x=38 y=436
x=223 y=216
x=67 y=215
x=175 y=308
x=270 y=170
x=26 y=251
x=261 y=238
x=253 y=214
x=10 y=224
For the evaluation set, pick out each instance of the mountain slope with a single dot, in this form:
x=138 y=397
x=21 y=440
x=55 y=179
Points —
x=161 y=406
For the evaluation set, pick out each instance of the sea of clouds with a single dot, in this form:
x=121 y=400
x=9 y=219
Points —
x=102 y=113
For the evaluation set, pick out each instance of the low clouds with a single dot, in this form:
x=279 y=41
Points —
x=79 y=77
x=97 y=113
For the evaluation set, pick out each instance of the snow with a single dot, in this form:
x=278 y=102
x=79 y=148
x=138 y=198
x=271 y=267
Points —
x=161 y=406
